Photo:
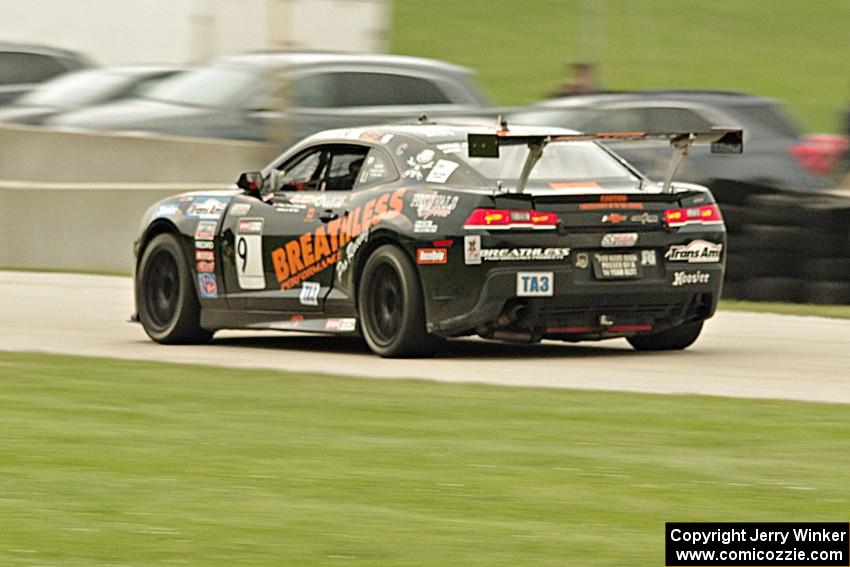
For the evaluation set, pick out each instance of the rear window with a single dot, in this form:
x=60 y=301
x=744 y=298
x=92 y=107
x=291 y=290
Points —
x=768 y=116
x=27 y=67
x=346 y=89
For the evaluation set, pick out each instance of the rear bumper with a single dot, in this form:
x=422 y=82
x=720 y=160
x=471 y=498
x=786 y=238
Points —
x=583 y=307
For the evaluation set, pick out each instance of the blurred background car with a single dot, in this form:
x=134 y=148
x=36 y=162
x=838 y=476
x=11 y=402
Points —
x=78 y=89
x=24 y=66
x=243 y=96
x=777 y=153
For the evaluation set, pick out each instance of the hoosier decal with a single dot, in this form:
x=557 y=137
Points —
x=312 y=252
x=690 y=278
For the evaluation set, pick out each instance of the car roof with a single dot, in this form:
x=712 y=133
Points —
x=44 y=50
x=311 y=58
x=707 y=97
x=431 y=133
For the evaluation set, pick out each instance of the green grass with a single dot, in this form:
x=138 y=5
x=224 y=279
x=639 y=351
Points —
x=107 y=462
x=796 y=51
x=805 y=309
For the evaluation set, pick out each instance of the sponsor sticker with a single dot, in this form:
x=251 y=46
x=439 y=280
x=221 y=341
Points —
x=535 y=284
x=694 y=252
x=207 y=286
x=690 y=278
x=521 y=254
x=166 y=211
x=205 y=255
x=614 y=266
x=472 y=250
x=425 y=226
x=205 y=230
x=249 y=254
x=205 y=267
x=303 y=257
x=429 y=205
x=619 y=239
x=204 y=244
x=648 y=258
x=310 y=293
x=644 y=218
x=240 y=209
x=347 y=324
x=432 y=256
x=582 y=260
x=441 y=171
x=207 y=207
x=613 y=218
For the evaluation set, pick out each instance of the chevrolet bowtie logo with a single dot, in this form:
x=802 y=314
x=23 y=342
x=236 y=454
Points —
x=613 y=218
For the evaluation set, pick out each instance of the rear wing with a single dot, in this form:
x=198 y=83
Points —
x=722 y=140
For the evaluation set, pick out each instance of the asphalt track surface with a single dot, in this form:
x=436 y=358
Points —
x=738 y=354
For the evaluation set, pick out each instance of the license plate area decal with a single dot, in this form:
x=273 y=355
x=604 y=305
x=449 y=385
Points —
x=535 y=284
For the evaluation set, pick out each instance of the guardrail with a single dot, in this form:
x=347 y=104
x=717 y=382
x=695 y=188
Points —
x=77 y=226
x=33 y=153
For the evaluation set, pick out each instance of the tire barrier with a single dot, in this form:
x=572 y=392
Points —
x=785 y=246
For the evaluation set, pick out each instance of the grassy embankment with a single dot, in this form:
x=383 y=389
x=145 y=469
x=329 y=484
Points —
x=110 y=462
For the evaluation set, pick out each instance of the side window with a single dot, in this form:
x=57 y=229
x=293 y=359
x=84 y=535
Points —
x=619 y=120
x=27 y=68
x=316 y=91
x=344 y=168
x=376 y=169
x=302 y=173
x=675 y=120
x=350 y=88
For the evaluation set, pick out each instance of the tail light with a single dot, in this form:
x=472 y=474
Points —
x=818 y=153
x=506 y=219
x=705 y=214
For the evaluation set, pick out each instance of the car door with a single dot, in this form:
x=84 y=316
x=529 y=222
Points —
x=288 y=239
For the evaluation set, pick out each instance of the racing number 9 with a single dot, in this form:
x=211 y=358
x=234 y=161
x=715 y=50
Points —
x=242 y=252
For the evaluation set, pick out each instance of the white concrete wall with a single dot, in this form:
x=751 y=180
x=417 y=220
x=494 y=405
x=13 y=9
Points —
x=188 y=31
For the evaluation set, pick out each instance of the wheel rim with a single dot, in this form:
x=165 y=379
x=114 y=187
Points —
x=162 y=288
x=385 y=307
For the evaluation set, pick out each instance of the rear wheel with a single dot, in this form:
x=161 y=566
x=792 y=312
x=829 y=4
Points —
x=168 y=306
x=676 y=338
x=391 y=307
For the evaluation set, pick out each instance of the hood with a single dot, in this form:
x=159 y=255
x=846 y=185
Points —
x=27 y=114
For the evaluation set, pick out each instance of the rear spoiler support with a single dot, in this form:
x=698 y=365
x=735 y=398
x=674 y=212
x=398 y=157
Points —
x=722 y=140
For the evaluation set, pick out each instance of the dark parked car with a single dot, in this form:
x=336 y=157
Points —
x=244 y=96
x=22 y=67
x=411 y=234
x=79 y=89
x=777 y=153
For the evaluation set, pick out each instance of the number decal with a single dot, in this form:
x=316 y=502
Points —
x=249 y=254
x=242 y=252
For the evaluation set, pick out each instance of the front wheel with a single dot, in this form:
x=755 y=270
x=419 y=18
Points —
x=676 y=338
x=168 y=306
x=391 y=307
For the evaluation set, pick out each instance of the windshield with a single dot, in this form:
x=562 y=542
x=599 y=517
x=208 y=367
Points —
x=75 y=89
x=205 y=86
x=560 y=162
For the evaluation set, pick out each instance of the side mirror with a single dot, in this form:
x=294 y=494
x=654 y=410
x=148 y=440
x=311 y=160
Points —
x=251 y=182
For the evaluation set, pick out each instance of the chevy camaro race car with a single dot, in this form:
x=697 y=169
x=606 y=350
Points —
x=410 y=234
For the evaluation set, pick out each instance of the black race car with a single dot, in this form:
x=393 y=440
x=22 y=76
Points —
x=411 y=234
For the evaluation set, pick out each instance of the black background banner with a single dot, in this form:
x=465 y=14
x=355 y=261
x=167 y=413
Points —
x=757 y=543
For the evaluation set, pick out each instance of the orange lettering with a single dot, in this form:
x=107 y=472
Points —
x=333 y=231
x=355 y=223
x=367 y=214
x=281 y=270
x=307 y=248
x=396 y=201
x=381 y=208
x=345 y=230
x=293 y=256
x=320 y=243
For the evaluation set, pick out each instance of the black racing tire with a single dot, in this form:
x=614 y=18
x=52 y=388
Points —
x=676 y=338
x=168 y=305
x=391 y=306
